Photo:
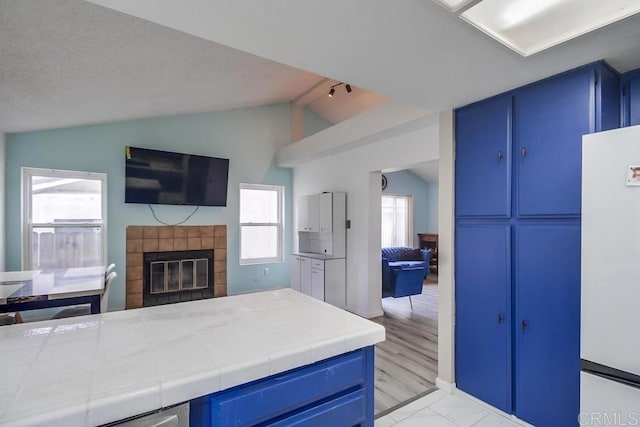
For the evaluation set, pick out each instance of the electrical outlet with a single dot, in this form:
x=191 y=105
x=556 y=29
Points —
x=267 y=271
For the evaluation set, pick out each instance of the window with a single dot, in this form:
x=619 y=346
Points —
x=261 y=223
x=397 y=221
x=64 y=217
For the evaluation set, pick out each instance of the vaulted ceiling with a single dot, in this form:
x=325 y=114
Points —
x=73 y=62
x=69 y=62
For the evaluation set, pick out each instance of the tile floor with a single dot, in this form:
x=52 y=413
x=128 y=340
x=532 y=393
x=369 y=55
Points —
x=439 y=409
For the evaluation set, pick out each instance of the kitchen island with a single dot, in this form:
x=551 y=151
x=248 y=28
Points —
x=273 y=355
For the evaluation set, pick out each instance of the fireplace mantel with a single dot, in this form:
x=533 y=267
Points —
x=150 y=238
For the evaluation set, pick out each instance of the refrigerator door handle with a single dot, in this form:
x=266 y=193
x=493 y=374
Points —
x=610 y=373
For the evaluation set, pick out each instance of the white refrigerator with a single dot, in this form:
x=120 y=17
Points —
x=610 y=316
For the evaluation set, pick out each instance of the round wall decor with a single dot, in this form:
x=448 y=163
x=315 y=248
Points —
x=384 y=182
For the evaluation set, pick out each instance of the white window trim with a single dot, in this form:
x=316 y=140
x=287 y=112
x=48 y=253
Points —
x=280 y=224
x=409 y=214
x=26 y=212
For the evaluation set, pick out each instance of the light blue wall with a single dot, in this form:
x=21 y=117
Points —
x=432 y=208
x=248 y=137
x=425 y=200
x=313 y=123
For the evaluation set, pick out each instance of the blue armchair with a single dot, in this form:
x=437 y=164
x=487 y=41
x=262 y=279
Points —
x=403 y=271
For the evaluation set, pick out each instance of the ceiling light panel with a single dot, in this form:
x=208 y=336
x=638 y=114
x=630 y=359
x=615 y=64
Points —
x=453 y=5
x=530 y=26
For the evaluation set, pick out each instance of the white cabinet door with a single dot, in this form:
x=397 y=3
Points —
x=313 y=205
x=305 y=275
x=325 y=212
x=317 y=284
x=303 y=213
x=308 y=213
x=294 y=278
x=335 y=291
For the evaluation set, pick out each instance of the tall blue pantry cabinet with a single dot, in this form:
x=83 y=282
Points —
x=518 y=178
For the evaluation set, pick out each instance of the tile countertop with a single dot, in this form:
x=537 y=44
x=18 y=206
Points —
x=97 y=369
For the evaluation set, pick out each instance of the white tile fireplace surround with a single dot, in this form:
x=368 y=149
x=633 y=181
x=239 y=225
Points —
x=150 y=238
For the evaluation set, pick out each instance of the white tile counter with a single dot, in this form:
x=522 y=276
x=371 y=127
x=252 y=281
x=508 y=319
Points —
x=97 y=369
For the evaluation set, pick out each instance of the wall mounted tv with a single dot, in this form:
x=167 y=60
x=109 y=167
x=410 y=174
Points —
x=167 y=178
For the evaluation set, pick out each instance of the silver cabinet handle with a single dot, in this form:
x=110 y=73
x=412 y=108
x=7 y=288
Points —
x=500 y=319
x=499 y=155
x=523 y=152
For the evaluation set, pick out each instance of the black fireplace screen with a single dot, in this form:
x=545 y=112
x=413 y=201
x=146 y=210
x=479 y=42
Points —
x=177 y=276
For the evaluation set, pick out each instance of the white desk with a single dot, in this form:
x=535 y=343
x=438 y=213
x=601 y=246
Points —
x=29 y=290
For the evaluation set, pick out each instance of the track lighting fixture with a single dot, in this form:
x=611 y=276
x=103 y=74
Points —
x=332 y=91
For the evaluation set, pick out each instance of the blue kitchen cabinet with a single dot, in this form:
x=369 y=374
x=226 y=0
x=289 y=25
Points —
x=483 y=312
x=630 y=84
x=483 y=153
x=335 y=391
x=550 y=119
x=545 y=122
x=547 y=323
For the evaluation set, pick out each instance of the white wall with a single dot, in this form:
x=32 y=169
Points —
x=2 y=162
x=357 y=173
x=374 y=125
x=432 y=207
x=446 y=285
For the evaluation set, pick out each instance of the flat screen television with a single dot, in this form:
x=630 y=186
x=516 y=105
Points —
x=168 y=178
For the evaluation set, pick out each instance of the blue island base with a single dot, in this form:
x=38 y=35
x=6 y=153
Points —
x=333 y=392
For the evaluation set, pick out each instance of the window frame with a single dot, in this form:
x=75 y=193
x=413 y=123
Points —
x=279 y=189
x=409 y=198
x=27 y=174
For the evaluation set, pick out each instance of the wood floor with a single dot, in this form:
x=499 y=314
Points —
x=407 y=362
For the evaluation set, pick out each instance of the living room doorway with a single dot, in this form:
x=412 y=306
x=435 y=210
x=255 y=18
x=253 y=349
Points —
x=407 y=362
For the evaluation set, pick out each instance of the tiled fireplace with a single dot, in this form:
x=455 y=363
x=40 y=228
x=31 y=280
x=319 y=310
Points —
x=158 y=244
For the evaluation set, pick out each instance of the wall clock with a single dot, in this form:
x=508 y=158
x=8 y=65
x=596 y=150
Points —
x=384 y=182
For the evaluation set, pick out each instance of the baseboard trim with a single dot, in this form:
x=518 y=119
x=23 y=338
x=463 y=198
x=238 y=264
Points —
x=445 y=386
x=364 y=314
x=406 y=402
x=490 y=408
x=375 y=314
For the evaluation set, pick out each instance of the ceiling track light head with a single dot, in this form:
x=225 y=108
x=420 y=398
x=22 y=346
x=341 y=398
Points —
x=332 y=91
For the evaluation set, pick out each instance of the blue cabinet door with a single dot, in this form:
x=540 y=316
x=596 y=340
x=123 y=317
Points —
x=547 y=324
x=483 y=313
x=549 y=120
x=631 y=98
x=483 y=141
x=608 y=105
